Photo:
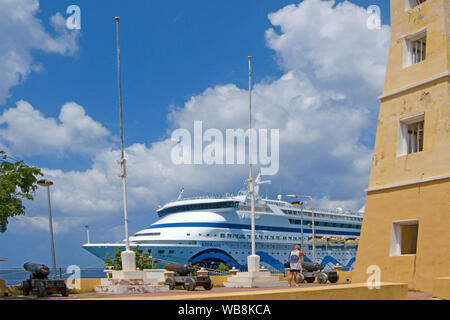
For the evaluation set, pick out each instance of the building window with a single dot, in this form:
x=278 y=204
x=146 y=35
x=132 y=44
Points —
x=404 y=237
x=415 y=48
x=411 y=135
x=413 y=3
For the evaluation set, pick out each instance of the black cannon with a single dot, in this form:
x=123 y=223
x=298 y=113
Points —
x=40 y=283
x=186 y=276
x=311 y=271
x=311 y=267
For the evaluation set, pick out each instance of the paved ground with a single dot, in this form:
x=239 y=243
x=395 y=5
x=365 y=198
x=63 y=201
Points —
x=418 y=295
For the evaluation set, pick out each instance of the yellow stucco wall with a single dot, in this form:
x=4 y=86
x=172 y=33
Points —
x=426 y=201
x=2 y=287
x=388 y=168
x=430 y=15
x=441 y=288
x=429 y=203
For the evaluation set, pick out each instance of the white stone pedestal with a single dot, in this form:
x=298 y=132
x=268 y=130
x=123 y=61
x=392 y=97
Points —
x=254 y=278
x=128 y=282
x=128 y=260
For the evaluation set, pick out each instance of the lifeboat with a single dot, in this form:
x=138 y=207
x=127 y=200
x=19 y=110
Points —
x=335 y=241
x=318 y=241
x=351 y=242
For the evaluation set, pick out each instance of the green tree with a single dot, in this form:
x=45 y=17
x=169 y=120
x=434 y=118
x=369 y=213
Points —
x=222 y=267
x=17 y=182
x=143 y=260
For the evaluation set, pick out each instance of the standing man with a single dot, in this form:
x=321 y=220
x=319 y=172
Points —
x=295 y=267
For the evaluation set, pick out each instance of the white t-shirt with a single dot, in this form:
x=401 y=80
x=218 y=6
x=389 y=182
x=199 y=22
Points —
x=295 y=260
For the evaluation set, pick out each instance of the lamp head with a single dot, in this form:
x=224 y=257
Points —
x=45 y=183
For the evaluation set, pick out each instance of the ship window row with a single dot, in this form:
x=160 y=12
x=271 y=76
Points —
x=200 y=206
x=257 y=237
x=148 y=234
x=325 y=224
x=319 y=215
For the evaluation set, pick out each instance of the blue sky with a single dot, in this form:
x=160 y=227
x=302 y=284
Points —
x=177 y=54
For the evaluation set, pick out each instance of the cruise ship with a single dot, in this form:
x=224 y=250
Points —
x=213 y=230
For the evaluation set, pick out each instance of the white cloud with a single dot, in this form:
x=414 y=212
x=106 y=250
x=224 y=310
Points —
x=22 y=32
x=42 y=223
x=26 y=132
x=330 y=40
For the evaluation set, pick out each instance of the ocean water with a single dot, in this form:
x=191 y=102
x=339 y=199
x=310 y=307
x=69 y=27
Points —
x=16 y=276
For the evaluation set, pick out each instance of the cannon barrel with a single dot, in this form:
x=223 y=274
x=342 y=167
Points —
x=311 y=267
x=38 y=271
x=182 y=269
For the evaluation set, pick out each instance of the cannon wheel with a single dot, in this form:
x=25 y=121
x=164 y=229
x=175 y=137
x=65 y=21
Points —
x=309 y=279
x=26 y=287
x=41 y=289
x=302 y=278
x=333 y=278
x=64 y=291
x=208 y=285
x=189 y=284
x=322 y=278
x=171 y=283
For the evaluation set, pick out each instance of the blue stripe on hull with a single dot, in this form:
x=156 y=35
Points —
x=248 y=227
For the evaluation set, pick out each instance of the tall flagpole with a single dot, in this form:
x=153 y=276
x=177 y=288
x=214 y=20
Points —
x=128 y=257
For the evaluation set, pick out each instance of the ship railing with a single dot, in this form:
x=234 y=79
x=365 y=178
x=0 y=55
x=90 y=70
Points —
x=213 y=196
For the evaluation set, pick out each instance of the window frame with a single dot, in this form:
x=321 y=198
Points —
x=411 y=4
x=403 y=145
x=396 y=237
x=407 y=47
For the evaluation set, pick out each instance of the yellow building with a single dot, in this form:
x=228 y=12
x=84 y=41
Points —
x=406 y=227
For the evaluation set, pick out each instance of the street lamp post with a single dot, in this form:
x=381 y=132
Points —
x=301 y=223
x=47 y=184
x=312 y=221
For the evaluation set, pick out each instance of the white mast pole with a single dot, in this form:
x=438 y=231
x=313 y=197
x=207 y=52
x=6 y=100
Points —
x=128 y=256
x=252 y=260
x=87 y=233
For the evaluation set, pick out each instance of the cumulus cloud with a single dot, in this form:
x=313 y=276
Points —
x=27 y=132
x=41 y=223
x=22 y=32
x=330 y=40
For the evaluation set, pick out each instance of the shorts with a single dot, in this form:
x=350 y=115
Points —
x=294 y=270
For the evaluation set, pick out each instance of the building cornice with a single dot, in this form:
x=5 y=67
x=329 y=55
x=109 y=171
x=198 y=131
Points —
x=408 y=183
x=414 y=85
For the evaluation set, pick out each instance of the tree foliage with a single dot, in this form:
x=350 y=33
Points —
x=143 y=260
x=17 y=182
x=222 y=267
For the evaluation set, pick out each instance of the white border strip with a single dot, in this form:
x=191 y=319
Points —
x=407 y=183
x=417 y=84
